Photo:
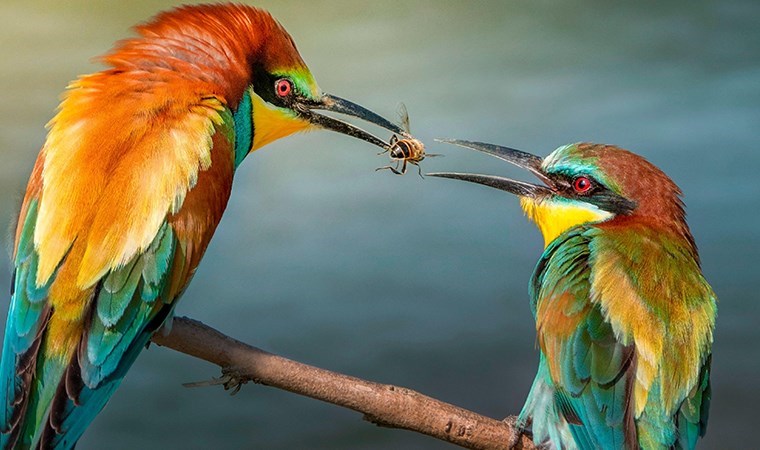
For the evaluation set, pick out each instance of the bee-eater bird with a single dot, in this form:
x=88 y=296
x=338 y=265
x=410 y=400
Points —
x=125 y=195
x=624 y=317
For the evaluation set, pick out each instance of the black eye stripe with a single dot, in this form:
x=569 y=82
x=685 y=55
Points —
x=566 y=184
x=265 y=86
x=598 y=194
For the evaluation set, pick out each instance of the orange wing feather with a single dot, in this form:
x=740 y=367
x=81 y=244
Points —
x=139 y=156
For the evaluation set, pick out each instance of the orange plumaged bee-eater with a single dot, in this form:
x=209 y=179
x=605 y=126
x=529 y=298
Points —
x=624 y=316
x=125 y=195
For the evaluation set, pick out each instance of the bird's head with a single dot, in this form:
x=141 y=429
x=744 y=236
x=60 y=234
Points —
x=286 y=98
x=585 y=183
x=243 y=56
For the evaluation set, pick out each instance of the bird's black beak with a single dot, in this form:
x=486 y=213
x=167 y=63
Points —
x=517 y=157
x=338 y=105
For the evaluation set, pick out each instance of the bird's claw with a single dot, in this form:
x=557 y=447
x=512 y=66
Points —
x=230 y=380
x=520 y=429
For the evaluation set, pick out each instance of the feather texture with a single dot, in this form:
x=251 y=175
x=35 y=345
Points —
x=624 y=316
x=126 y=193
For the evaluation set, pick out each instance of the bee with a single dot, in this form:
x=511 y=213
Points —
x=405 y=150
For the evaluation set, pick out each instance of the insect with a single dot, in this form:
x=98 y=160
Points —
x=405 y=150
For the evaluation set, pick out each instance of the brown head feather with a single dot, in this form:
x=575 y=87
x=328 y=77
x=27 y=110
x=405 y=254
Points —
x=215 y=44
x=658 y=198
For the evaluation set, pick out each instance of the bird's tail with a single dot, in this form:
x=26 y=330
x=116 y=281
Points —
x=75 y=405
x=60 y=406
x=60 y=367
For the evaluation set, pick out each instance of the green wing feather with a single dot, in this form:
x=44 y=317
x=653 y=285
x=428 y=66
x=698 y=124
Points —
x=587 y=373
x=673 y=328
x=588 y=370
x=693 y=414
x=131 y=303
x=125 y=304
x=26 y=318
x=49 y=401
x=124 y=318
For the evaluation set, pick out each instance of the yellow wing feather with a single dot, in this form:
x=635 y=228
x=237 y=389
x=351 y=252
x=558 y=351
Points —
x=137 y=163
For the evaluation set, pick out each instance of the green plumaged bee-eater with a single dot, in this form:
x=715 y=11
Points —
x=624 y=316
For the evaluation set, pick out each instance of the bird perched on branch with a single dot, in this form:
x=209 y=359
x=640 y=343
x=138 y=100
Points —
x=624 y=316
x=125 y=195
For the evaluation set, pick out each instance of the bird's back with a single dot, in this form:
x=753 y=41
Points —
x=129 y=187
x=624 y=321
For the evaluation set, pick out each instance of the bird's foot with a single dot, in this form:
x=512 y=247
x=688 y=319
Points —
x=520 y=429
x=231 y=379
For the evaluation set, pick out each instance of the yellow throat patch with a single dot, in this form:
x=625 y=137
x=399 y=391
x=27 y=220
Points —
x=555 y=217
x=271 y=123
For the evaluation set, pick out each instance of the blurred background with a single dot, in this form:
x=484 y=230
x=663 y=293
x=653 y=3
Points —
x=423 y=283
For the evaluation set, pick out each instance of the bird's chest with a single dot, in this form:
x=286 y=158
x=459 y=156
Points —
x=563 y=268
x=201 y=211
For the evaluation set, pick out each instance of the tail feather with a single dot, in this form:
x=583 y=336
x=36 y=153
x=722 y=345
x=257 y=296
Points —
x=18 y=373
x=75 y=404
x=54 y=383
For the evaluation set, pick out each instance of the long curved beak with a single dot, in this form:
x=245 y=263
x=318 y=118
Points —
x=519 y=158
x=338 y=105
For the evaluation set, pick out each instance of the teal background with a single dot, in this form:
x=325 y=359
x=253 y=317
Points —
x=423 y=283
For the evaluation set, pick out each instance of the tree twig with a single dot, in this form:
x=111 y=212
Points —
x=382 y=404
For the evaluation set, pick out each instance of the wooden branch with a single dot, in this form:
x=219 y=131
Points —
x=382 y=404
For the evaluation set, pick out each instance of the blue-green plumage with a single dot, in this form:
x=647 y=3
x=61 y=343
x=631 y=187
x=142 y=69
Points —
x=132 y=182
x=124 y=317
x=590 y=396
x=624 y=316
x=26 y=315
x=243 y=128
x=590 y=404
x=111 y=349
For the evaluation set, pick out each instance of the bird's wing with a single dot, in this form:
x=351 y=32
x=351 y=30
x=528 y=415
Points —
x=693 y=413
x=589 y=370
x=129 y=304
x=117 y=214
x=651 y=290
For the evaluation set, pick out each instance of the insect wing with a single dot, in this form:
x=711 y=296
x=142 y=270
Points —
x=404 y=115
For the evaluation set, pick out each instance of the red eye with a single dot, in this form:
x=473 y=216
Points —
x=582 y=185
x=283 y=87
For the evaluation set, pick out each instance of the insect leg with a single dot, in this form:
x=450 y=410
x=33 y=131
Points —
x=393 y=141
x=419 y=169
